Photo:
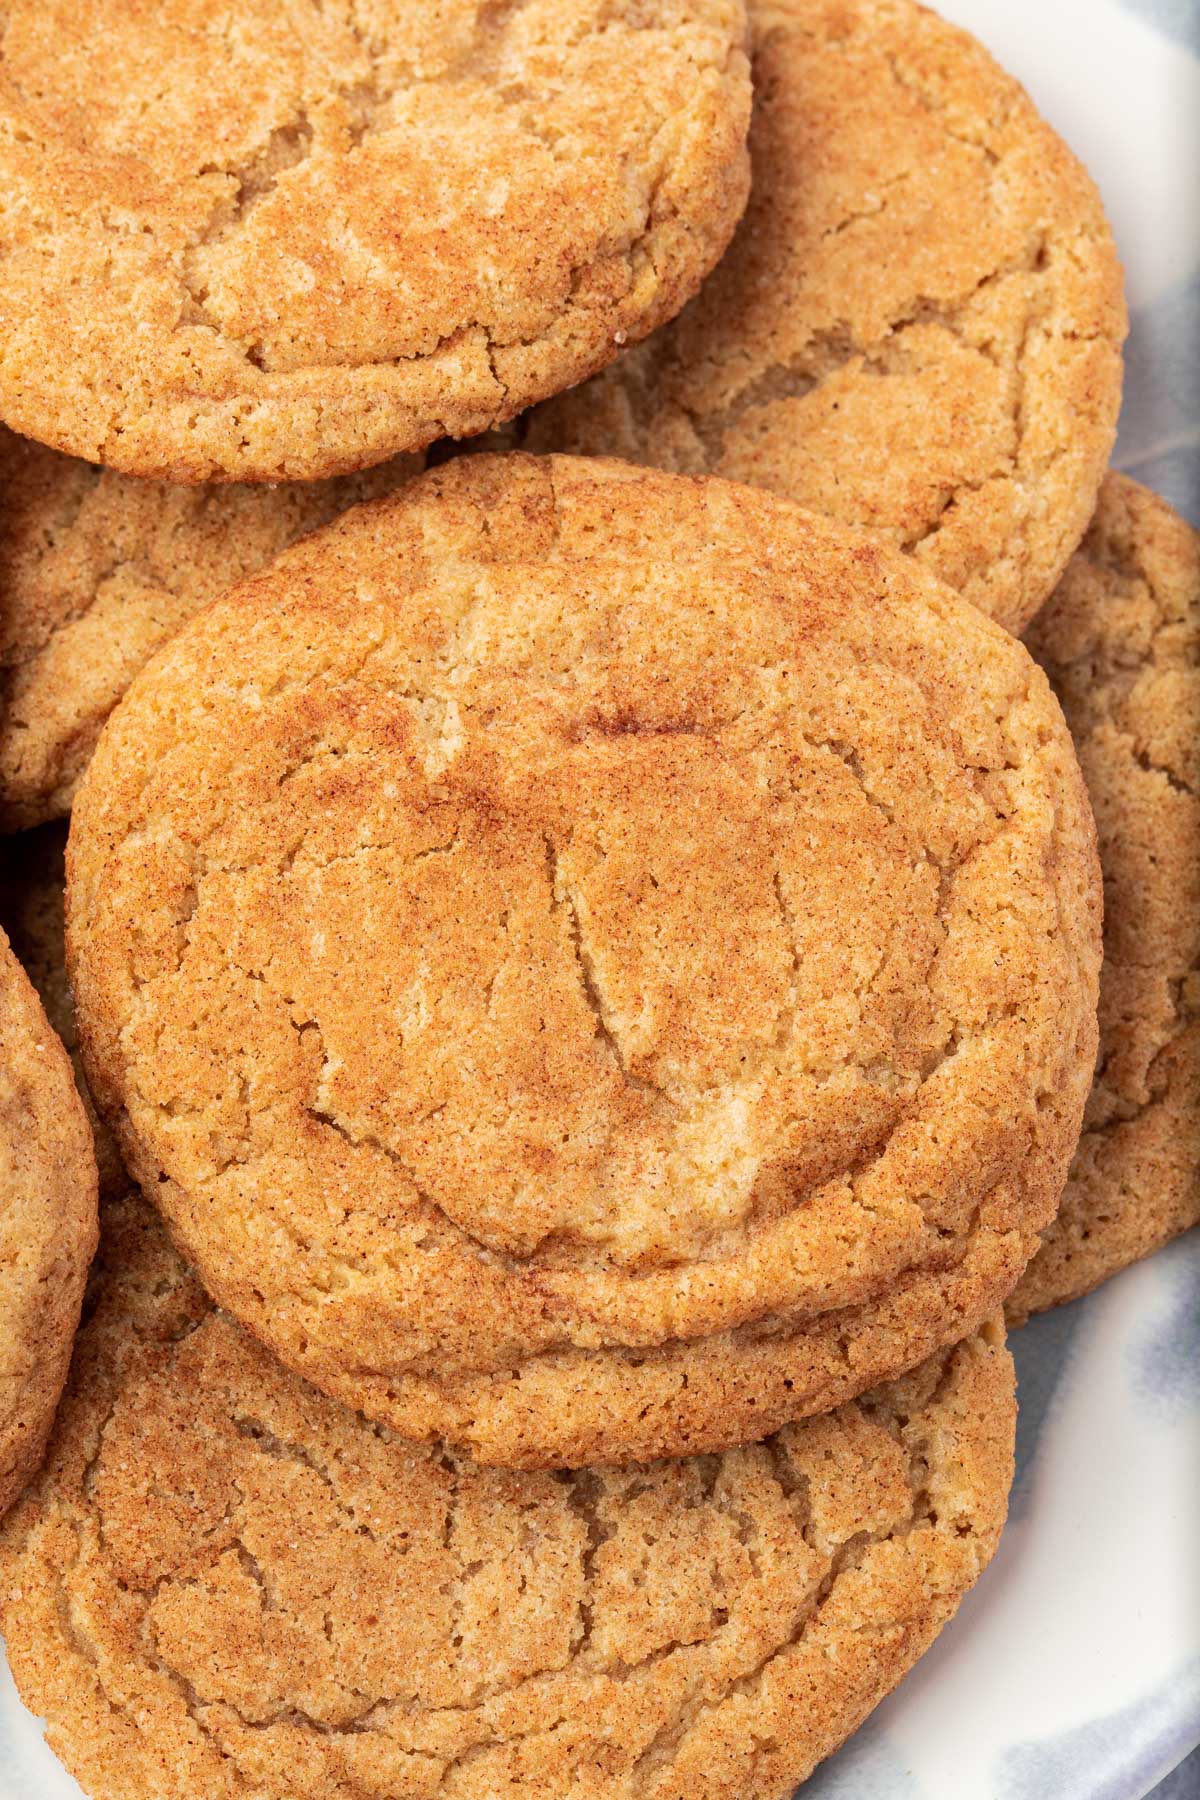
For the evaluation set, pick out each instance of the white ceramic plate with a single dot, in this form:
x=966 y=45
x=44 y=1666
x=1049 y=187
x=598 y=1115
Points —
x=1073 y=1671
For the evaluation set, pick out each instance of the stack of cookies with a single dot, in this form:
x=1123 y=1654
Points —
x=582 y=960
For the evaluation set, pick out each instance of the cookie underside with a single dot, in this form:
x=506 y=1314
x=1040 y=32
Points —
x=47 y=1223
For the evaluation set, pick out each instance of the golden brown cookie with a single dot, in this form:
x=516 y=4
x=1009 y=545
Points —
x=96 y=571
x=247 y=242
x=47 y=1223
x=918 y=327
x=32 y=880
x=591 y=963
x=1120 y=640
x=225 y=1584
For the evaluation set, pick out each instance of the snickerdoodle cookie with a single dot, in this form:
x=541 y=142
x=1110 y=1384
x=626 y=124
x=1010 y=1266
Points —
x=1120 y=641
x=225 y=1584
x=47 y=1223
x=591 y=963
x=917 y=329
x=249 y=241
x=32 y=879
x=97 y=570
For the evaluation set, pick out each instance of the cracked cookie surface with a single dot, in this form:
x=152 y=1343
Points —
x=591 y=963
x=917 y=329
x=97 y=570
x=1120 y=640
x=226 y=1584
x=32 y=884
x=344 y=229
x=47 y=1223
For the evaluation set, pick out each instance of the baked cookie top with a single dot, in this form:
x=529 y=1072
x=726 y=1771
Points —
x=341 y=229
x=47 y=1223
x=226 y=1584
x=917 y=329
x=571 y=908
x=1120 y=640
x=32 y=883
x=98 y=569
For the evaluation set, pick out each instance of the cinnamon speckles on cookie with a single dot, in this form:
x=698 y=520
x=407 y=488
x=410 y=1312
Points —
x=918 y=327
x=291 y=242
x=589 y=962
x=1120 y=640
x=97 y=570
x=225 y=1584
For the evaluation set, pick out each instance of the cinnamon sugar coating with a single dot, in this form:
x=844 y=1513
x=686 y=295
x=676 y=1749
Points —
x=292 y=241
x=1120 y=640
x=225 y=1584
x=917 y=329
x=591 y=963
